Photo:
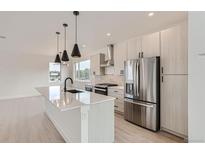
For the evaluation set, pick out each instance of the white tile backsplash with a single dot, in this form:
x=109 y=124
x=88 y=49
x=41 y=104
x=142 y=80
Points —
x=117 y=79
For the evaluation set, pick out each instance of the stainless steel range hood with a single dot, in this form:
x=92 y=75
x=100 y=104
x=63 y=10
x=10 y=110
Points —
x=109 y=60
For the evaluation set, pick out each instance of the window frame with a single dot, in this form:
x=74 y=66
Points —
x=75 y=72
x=49 y=76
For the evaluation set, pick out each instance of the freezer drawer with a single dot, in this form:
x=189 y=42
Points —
x=142 y=114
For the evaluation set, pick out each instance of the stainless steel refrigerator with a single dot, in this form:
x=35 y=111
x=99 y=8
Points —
x=142 y=92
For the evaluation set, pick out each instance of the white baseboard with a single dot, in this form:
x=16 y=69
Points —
x=175 y=133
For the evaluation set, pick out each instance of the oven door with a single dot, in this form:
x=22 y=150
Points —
x=102 y=91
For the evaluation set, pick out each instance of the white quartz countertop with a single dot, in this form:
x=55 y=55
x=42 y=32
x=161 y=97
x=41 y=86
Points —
x=117 y=87
x=67 y=101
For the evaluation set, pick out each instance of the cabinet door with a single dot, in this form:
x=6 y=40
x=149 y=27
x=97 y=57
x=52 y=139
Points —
x=174 y=103
x=120 y=55
x=151 y=45
x=174 y=50
x=95 y=65
x=119 y=105
x=134 y=47
x=118 y=94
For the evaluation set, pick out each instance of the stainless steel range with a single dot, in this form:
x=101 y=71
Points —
x=102 y=88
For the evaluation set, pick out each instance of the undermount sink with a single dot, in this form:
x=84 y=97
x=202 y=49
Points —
x=74 y=91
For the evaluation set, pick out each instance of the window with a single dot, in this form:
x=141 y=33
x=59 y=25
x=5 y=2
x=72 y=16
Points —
x=54 y=72
x=82 y=70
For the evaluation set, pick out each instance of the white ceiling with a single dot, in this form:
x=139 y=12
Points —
x=34 y=32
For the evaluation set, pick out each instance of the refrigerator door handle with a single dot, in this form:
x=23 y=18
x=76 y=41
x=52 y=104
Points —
x=145 y=105
x=135 y=78
x=140 y=104
x=138 y=79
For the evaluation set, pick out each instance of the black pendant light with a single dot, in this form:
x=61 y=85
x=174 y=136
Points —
x=65 y=57
x=76 y=52
x=58 y=59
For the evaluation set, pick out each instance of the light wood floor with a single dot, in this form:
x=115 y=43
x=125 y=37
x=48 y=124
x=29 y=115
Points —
x=23 y=121
x=126 y=132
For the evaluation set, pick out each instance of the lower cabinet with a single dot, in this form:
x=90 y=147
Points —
x=119 y=105
x=119 y=95
x=174 y=104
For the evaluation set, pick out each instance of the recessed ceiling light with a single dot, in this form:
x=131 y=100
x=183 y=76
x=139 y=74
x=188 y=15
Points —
x=151 y=14
x=84 y=46
x=108 y=34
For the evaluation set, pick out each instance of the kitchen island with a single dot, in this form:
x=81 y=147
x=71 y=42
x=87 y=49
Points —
x=80 y=117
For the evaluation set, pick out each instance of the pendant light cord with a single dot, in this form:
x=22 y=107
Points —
x=76 y=33
x=57 y=43
x=65 y=38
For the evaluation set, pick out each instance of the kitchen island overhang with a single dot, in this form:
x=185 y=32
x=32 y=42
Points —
x=80 y=117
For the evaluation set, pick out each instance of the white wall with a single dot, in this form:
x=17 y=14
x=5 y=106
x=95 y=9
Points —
x=196 y=80
x=21 y=73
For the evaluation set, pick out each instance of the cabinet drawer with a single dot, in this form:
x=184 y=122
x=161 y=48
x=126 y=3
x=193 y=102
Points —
x=117 y=93
x=119 y=106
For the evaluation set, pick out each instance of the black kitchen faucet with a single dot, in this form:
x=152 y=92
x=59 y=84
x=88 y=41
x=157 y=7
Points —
x=65 y=89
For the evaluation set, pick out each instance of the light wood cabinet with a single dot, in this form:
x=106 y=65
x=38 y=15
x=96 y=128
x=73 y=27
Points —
x=119 y=106
x=151 y=45
x=119 y=95
x=174 y=49
x=174 y=104
x=120 y=55
x=174 y=88
x=134 y=47
x=96 y=61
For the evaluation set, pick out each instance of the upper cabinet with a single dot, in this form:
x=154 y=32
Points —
x=174 y=50
x=96 y=61
x=120 y=55
x=151 y=45
x=134 y=47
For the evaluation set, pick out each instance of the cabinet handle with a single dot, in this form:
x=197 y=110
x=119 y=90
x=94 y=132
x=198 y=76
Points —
x=115 y=106
x=162 y=70
x=142 y=55
x=115 y=91
x=162 y=79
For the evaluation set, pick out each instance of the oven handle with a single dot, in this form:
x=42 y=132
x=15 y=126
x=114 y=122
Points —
x=100 y=89
x=145 y=105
